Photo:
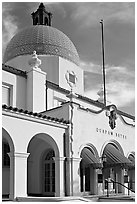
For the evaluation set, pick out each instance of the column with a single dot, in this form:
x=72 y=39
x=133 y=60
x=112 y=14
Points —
x=11 y=195
x=95 y=181
x=103 y=183
x=116 y=181
x=76 y=176
x=18 y=174
x=59 y=176
x=120 y=176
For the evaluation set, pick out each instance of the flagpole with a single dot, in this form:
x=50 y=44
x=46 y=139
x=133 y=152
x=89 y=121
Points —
x=103 y=61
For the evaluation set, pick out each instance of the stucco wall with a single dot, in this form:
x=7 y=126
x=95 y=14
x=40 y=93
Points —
x=64 y=66
x=26 y=129
x=49 y=64
x=22 y=129
x=94 y=128
x=21 y=92
x=18 y=88
x=20 y=62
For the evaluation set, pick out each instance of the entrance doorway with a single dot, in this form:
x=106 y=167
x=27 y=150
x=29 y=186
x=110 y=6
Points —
x=88 y=175
x=42 y=171
x=49 y=174
x=114 y=167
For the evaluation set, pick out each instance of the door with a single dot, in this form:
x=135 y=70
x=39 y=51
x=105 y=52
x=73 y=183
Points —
x=49 y=175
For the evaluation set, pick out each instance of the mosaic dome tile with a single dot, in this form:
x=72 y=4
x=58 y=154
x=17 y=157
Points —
x=45 y=40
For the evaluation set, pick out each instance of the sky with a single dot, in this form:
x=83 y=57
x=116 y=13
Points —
x=80 y=21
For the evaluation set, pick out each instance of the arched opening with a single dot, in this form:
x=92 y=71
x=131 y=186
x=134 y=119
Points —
x=7 y=147
x=114 y=167
x=88 y=166
x=42 y=172
x=36 y=21
x=5 y=168
x=46 y=21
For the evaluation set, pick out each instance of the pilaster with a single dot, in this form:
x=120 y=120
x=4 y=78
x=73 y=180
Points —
x=59 y=176
x=18 y=174
x=75 y=176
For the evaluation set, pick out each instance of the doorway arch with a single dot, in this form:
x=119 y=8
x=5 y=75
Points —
x=42 y=149
x=114 y=166
x=88 y=165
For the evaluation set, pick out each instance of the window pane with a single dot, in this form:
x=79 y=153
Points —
x=6 y=95
x=72 y=78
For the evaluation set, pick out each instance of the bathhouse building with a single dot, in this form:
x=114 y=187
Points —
x=55 y=141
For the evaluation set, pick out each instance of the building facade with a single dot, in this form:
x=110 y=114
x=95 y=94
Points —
x=56 y=141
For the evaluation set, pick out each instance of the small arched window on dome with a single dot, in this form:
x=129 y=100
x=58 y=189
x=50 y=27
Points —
x=46 y=21
x=36 y=20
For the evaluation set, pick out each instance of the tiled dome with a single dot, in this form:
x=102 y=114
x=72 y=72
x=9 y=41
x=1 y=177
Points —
x=45 y=40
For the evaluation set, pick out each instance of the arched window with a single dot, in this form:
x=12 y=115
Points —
x=46 y=21
x=49 y=173
x=36 y=21
x=50 y=155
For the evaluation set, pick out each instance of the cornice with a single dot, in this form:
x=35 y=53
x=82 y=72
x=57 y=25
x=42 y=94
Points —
x=14 y=70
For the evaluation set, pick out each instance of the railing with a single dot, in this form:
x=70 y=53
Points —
x=115 y=182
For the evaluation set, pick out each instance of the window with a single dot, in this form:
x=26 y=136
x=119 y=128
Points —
x=50 y=155
x=72 y=78
x=49 y=173
x=5 y=156
x=6 y=95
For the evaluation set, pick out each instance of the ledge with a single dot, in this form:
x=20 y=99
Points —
x=14 y=70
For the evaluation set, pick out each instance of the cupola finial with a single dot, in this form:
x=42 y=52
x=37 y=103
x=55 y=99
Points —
x=41 y=16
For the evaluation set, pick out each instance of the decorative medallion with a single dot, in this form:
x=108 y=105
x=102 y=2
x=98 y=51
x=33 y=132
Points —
x=112 y=115
x=71 y=78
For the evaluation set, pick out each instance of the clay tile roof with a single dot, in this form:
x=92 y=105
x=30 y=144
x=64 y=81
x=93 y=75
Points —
x=30 y=113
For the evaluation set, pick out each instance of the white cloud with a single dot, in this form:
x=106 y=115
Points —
x=91 y=67
x=9 y=26
x=92 y=94
x=120 y=71
x=111 y=70
x=89 y=14
x=121 y=93
x=119 y=84
x=118 y=93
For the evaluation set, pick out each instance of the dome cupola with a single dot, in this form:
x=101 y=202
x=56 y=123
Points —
x=43 y=38
x=41 y=16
